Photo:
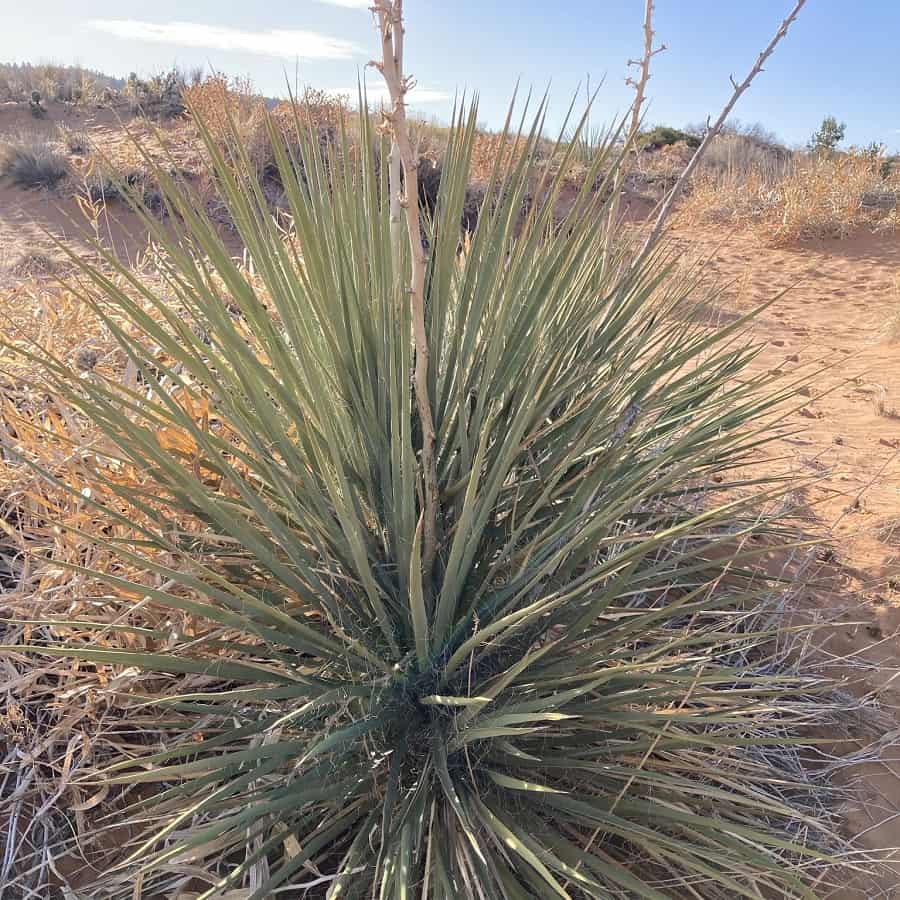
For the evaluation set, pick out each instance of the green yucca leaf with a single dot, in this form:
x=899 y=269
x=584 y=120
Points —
x=589 y=694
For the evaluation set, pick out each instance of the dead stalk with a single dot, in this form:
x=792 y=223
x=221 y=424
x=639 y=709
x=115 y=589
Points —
x=640 y=85
x=389 y=15
x=712 y=131
x=643 y=65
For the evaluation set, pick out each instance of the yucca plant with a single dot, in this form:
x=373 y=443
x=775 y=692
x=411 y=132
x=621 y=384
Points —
x=582 y=693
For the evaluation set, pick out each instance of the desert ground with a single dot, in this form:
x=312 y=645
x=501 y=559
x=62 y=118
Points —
x=835 y=325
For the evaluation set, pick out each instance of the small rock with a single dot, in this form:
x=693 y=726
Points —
x=880 y=199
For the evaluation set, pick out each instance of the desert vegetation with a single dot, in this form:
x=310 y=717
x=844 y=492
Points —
x=29 y=161
x=65 y=84
x=802 y=196
x=400 y=523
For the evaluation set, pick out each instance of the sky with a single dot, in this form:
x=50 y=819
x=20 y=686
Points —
x=838 y=59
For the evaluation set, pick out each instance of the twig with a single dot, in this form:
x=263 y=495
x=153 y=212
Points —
x=711 y=132
x=389 y=14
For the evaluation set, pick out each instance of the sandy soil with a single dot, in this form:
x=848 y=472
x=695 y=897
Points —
x=837 y=325
x=30 y=220
x=841 y=314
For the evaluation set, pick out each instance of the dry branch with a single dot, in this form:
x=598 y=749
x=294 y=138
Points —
x=640 y=85
x=643 y=65
x=389 y=15
x=714 y=130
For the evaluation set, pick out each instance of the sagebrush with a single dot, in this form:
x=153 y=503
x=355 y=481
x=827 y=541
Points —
x=30 y=161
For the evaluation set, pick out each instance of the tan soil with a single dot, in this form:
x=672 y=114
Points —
x=841 y=310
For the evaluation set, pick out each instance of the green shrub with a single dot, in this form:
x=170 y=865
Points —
x=663 y=136
x=585 y=697
x=31 y=162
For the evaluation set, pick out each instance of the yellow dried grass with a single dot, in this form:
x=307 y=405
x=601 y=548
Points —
x=817 y=196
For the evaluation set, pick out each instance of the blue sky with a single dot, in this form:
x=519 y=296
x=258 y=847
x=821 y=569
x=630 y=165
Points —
x=839 y=58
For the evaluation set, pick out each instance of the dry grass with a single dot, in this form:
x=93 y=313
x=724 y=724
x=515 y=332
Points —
x=485 y=152
x=62 y=721
x=809 y=196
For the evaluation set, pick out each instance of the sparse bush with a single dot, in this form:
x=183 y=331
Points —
x=103 y=185
x=429 y=178
x=430 y=174
x=755 y=132
x=32 y=162
x=490 y=151
x=100 y=186
x=587 y=694
x=736 y=153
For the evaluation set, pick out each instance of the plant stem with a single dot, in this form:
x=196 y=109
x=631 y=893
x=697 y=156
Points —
x=389 y=14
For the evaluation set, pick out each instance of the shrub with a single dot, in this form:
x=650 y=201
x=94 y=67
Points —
x=31 y=162
x=583 y=697
x=34 y=104
x=159 y=97
x=663 y=136
x=232 y=104
x=75 y=141
x=734 y=153
x=101 y=184
x=35 y=262
x=104 y=184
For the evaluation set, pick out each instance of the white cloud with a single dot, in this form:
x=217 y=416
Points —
x=379 y=94
x=287 y=44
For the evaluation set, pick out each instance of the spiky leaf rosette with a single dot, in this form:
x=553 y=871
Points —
x=582 y=700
